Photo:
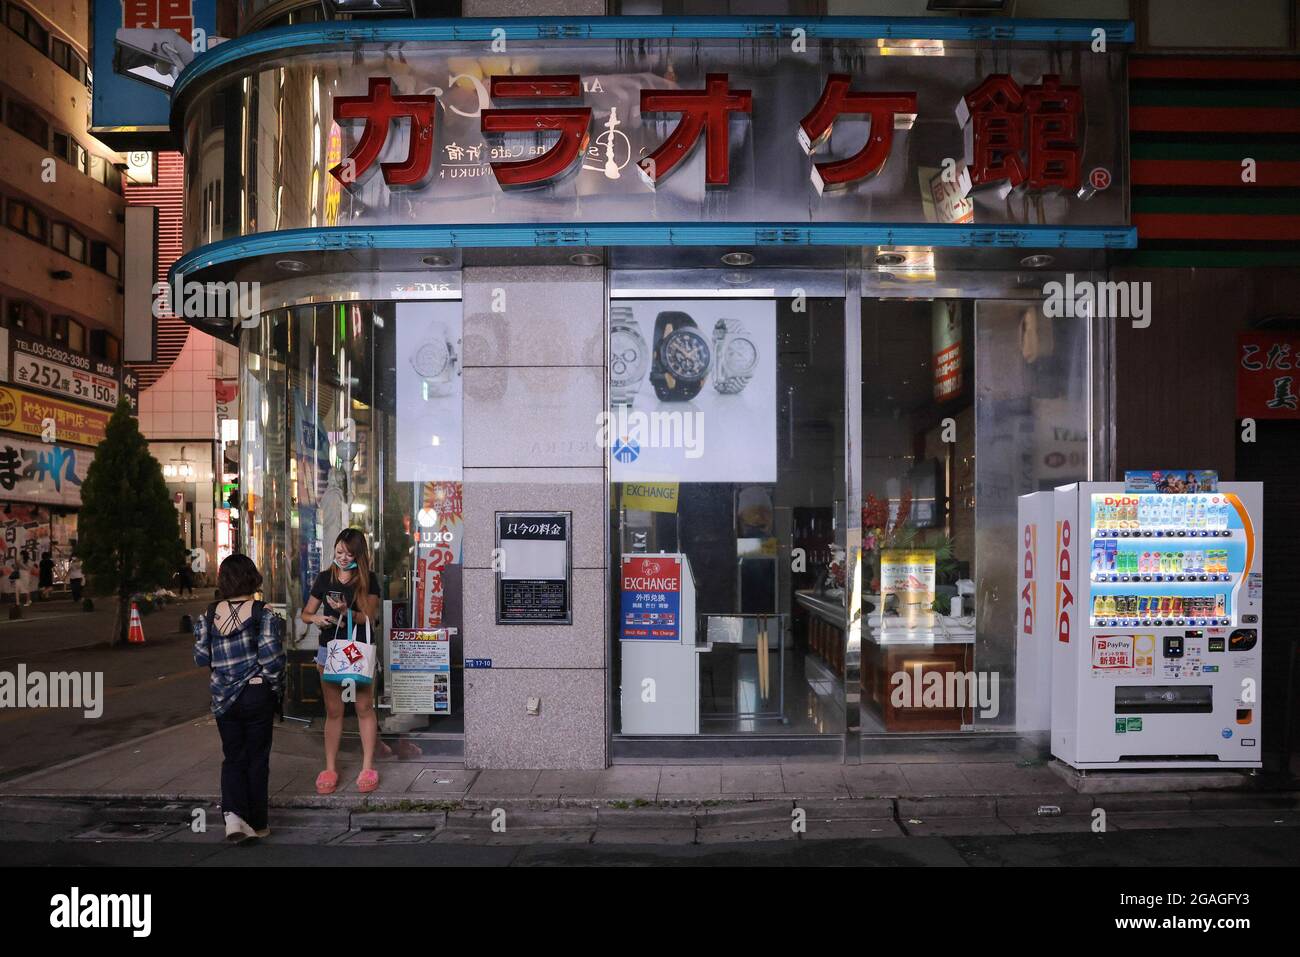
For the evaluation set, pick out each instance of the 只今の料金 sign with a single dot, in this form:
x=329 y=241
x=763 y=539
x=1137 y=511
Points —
x=51 y=419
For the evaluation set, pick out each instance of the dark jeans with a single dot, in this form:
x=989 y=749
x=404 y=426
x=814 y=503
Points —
x=246 y=742
x=75 y=585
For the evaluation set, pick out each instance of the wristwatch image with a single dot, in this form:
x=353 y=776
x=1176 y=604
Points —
x=629 y=356
x=681 y=358
x=436 y=362
x=735 y=356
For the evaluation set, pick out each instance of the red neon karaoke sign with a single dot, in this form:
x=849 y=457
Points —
x=1018 y=135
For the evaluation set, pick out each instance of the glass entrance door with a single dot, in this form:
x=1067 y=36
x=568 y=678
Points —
x=965 y=406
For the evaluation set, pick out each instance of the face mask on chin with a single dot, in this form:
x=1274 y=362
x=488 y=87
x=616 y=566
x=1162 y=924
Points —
x=345 y=567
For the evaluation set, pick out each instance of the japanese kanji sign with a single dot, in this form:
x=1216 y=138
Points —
x=31 y=414
x=1022 y=136
x=1268 y=375
x=562 y=136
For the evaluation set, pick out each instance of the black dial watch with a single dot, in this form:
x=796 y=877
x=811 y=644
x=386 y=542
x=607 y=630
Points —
x=681 y=357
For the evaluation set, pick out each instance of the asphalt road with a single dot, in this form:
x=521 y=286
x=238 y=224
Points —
x=146 y=687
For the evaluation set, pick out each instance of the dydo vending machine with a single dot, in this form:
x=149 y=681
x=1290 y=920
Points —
x=1156 y=593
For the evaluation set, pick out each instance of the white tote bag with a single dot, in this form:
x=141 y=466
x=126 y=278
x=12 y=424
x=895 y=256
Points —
x=348 y=659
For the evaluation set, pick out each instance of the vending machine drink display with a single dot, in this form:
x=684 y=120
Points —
x=1157 y=602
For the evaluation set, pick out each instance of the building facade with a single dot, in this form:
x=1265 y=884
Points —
x=60 y=278
x=671 y=437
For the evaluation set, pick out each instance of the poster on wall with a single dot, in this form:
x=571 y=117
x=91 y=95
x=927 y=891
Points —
x=429 y=392
x=692 y=387
x=139 y=49
x=533 y=568
x=419 y=671
x=907 y=587
x=439 y=523
x=650 y=602
x=26 y=534
x=1268 y=375
x=35 y=472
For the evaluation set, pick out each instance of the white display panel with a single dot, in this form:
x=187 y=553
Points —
x=717 y=426
x=429 y=392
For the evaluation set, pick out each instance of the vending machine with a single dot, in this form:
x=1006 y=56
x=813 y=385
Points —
x=1157 y=603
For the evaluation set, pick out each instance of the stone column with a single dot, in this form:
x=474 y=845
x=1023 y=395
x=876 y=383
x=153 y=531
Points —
x=534 y=378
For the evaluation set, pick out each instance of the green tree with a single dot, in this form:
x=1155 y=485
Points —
x=127 y=529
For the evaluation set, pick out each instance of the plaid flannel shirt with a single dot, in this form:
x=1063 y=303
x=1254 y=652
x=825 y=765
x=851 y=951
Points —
x=239 y=657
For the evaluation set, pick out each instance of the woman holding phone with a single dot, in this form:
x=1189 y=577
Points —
x=347 y=585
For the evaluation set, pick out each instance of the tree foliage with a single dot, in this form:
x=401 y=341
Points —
x=127 y=531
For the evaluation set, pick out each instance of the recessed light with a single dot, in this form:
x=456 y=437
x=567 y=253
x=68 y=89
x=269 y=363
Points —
x=1037 y=261
x=890 y=259
x=738 y=259
x=585 y=259
x=737 y=278
x=435 y=260
x=291 y=265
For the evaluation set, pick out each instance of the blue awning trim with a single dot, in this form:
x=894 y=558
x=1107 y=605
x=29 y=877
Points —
x=645 y=234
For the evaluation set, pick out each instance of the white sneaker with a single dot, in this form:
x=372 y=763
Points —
x=237 y=829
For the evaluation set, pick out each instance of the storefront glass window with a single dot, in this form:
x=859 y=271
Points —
x=726 y=434
x=966 y=406
x=321 y=429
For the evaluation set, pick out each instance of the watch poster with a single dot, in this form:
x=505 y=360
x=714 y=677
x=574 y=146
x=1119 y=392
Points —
x=534 y=584
x=692 y=387
x=429 y=392
x=419 y=671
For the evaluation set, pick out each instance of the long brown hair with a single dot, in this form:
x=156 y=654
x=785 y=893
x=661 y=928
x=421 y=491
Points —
x=354 y=540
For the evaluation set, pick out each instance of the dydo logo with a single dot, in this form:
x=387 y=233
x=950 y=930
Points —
x=1029 y=594
x=1064 y=597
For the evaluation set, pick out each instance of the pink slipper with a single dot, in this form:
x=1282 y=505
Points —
x=368 y=780
x=326 y=782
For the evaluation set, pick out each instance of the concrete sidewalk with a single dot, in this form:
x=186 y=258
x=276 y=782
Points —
x=149 y=789
x=182 y=763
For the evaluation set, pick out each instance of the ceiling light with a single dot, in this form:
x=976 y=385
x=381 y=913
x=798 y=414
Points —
x=585 y=259
x=291 y=265
x=435 y=260
x=1037 y=261
x=890 y=259
x=738 y=259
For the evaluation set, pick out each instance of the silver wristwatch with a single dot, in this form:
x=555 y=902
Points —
x=735 y=355
x=629 y=356
x=437 y=362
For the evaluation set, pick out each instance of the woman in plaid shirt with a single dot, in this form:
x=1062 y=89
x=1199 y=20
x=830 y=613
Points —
x=242 y=643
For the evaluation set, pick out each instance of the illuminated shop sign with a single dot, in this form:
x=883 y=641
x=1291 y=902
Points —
x=1019 y=135
x=579 y=139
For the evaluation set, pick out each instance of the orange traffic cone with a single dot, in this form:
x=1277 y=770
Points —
x=135 y=634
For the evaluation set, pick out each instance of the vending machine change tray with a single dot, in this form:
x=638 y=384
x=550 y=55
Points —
x=1164 y=699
